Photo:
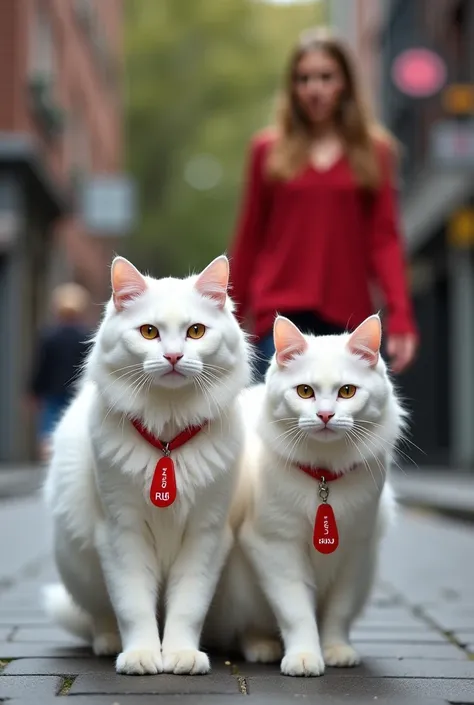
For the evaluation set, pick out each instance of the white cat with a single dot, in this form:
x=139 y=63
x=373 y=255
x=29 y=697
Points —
x=328 y=410
x=170 y=355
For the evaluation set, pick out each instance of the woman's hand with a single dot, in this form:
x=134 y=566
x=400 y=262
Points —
x=401 y=349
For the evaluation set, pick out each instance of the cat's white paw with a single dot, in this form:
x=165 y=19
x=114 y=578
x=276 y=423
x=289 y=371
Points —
x=261 y=650
x=341 y=655
x=186 y=662
x=305 y=663
x=107 y=644
x=139 y=662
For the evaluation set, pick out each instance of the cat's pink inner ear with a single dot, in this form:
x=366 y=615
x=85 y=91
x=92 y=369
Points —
x=127 y=282
x=213 y=282
x=288 y=339
x=365 y=341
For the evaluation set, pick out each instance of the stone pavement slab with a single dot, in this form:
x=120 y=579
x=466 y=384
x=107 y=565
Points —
x=9 y=650
x=18 y=618
x=27 y=521
x=372 y=689
x=219 y=681
x=58 y=666
x=25 y=687
x=426 y=636
x=386 y=668
x=411 y=636
x=399 y=650
x=426 y=559
x=44 y=634
x=212 y=699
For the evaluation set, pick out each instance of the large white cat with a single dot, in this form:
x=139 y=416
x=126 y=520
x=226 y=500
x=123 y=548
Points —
x=169 y=356
x=320 y=435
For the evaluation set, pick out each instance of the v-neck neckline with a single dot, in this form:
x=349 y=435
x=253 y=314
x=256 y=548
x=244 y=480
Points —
x=326 y=170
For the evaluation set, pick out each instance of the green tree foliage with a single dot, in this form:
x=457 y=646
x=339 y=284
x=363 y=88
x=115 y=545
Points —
x=200 y=79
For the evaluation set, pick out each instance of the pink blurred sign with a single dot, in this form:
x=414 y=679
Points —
x=419 y=73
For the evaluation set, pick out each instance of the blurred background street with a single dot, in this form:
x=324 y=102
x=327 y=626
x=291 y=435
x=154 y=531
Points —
x=123 y=129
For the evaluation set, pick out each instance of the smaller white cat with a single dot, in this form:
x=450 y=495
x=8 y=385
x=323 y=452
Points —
x=168 y=362
x=312 y=502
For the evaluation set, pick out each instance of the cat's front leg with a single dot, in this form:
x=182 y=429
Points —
x=347 y=596
x=191 y=586
x=131 y=574
x=283 y=574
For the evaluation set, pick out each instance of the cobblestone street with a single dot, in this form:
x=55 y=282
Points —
x=417 y=636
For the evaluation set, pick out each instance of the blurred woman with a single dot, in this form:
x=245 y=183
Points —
x=318 y=223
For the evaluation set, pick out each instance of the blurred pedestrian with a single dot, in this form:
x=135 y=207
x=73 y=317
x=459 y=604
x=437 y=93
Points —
x=60 y=354
x=319 y=222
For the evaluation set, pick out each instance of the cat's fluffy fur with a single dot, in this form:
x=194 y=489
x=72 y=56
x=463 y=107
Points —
x=106 y=532
x=275 y=582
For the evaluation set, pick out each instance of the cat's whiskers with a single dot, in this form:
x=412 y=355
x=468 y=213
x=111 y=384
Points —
x=138 y=367
x=393 y=446
x=292 y=450
x=133 y=381
x=293 y=436
x=356 y=443
x=203 y=390
x=359 y=438
x=287 y=418
x=401 y=439
x=211 y=381
x=353 y=441
x=138 y=388
x=287 y=432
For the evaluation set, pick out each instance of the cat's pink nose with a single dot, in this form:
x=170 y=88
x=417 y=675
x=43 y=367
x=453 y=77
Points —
x=173 y=358
x=325 y=416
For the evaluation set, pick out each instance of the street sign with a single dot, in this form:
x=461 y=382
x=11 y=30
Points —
x=461 y=228
x=452 y=143
x=419 y=72
x=458 y=98
x=108 y=204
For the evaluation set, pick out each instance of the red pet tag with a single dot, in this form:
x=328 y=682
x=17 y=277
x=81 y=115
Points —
x=163 y=485
x=325 y=535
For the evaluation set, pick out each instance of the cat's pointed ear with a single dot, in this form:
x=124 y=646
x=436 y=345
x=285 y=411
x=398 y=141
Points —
x=127 y=282
x=365 y=341
x=288 y=339
x=213 y=282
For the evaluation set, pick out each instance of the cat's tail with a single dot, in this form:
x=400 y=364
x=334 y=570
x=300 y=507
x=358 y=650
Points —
x=62 y=609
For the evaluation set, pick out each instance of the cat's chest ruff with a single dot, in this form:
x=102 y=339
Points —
x=127 y=460
x=353 y=497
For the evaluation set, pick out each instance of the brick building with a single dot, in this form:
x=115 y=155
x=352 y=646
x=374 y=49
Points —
x=60 y=125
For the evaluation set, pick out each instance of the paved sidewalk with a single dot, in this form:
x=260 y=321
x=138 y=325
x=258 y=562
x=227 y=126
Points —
x=417 y=636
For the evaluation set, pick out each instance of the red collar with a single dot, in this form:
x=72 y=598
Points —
x=176 y=442
x=320 y=473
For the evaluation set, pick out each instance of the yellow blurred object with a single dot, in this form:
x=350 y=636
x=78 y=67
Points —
x=458 y=99
x=461 y=228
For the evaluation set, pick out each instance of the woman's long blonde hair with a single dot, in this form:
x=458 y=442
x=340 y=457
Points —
x=358 y=128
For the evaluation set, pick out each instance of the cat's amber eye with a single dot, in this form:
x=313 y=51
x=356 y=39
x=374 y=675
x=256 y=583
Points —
x=149 y=332
x=196 y=331
x=347 y=391
x=305 y=391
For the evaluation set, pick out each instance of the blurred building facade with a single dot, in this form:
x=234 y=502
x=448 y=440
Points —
x=60 y=125
x=437 y=203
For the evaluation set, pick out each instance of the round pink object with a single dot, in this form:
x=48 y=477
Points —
x=419 y=72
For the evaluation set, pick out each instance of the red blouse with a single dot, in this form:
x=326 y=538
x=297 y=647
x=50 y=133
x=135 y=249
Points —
x=317 y=243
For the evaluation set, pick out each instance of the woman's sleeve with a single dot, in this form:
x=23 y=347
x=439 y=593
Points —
x=387 y=253
x=250 y=226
